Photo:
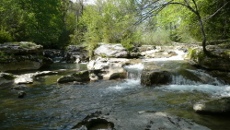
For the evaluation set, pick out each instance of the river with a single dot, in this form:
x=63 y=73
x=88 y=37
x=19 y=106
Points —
x=49 y=105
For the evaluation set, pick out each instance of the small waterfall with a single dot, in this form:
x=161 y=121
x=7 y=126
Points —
x=195 y=77
x=132 y=82
x=134 y=71
x=180 y=80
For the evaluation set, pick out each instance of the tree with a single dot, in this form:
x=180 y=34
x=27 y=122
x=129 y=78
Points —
x=10 y=19
x=153 y=7
x=43 y=21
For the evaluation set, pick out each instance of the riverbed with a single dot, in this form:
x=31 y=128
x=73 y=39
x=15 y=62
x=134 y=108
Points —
x=49 y=105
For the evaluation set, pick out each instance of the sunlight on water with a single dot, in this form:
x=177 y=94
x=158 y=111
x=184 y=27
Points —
x=206 y=88
x=127 y=84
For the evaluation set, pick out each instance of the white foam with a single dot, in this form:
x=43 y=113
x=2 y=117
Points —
x=128 y=84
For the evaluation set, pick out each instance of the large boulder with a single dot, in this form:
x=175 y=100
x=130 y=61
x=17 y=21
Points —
x=213 y=106
x=81 y=76
x=21 y=56
x=155 y=77
x=111 y=50
x=108 y=68
x=222 y=62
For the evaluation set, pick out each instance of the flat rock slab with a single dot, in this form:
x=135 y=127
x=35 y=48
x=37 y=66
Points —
x=29 y=78
x=141 y=120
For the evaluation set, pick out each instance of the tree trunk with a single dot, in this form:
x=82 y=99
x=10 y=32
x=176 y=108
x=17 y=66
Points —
x=203 y=35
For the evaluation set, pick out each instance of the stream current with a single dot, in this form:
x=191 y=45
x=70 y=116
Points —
x=48 y=105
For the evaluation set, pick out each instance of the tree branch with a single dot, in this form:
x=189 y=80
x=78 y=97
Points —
x=217 y=11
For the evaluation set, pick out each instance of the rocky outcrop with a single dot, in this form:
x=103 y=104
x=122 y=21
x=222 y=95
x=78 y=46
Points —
x=221 y=75
x=94 y=121
x=76 y=54
x=111 y=51
x=81 y=76
x=221 y=62
x=29 y=78
x=155 y=77
x=21 y=56
x=109 y=68
x=213 y=106
x=141 y=121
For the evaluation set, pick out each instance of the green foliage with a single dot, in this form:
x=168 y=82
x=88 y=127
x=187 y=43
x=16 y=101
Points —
x=56 y=23
x=109 y=22
x=27 y=44
x=158 y=37
x=4 y=36
x=187 y=25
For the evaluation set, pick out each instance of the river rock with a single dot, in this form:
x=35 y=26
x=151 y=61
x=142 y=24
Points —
x=222 y=62
x=21 y=94
x=155 y=77
x=140 y=121
x=111 y=50
x=21 y=56
x=213 y=106
x=29 y=78
x=54 y=54
x=6 y=78
x=76 y=54
x=110 y=68
x=221 y=75
x=81 y=76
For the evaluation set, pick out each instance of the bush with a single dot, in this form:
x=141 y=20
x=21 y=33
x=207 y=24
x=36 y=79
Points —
x=158 y=37
x=5 y=36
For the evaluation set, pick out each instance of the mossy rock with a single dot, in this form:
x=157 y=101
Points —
x=155 y=77
x=222 y=62
x=214 y=106
x=81 y=76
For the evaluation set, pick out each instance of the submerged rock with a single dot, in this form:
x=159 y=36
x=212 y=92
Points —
x=21 y=94
x=81 y=76
x=213 y=106
x=6 y=78
x=155 y=77
x=164 y=121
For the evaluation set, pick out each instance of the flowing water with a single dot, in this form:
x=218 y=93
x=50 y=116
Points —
x=48 y=105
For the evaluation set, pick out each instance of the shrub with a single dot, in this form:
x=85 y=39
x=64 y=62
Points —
x=5 y=36
x=158 y=37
